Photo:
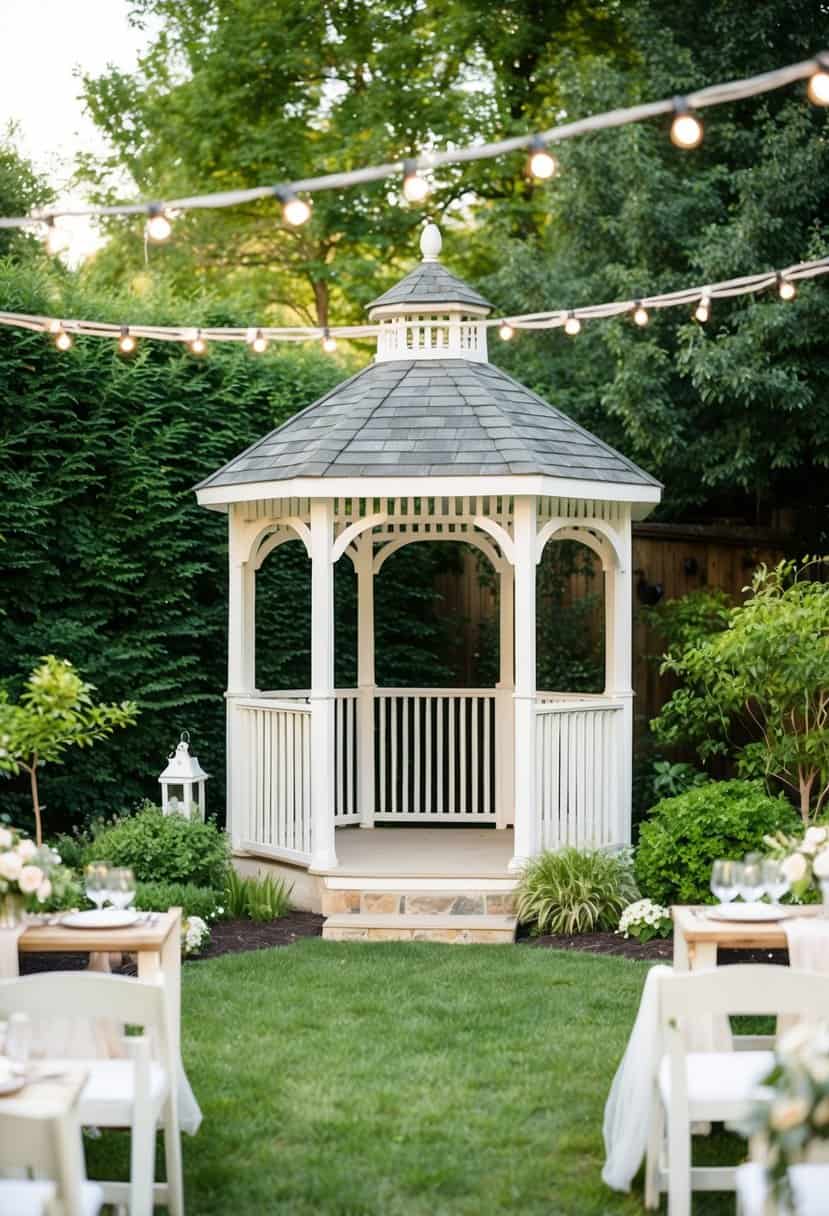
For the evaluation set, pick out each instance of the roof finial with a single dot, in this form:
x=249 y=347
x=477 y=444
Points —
x=430 y=243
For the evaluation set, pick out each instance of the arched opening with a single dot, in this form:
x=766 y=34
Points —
x=570 y=619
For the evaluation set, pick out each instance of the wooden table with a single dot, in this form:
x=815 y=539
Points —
x=157 y=945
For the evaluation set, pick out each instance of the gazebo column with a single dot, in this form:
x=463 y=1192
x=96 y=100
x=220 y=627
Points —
x=504 y=706
x=618 y=675
x=526 y=827
x=323 y=852
x=241 y=671
x=364 y=565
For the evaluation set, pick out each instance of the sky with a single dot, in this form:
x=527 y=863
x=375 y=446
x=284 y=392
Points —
x=44 y=44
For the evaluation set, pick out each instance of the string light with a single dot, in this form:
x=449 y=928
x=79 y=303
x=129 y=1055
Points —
x=703 y=310
x=54 y=327
x=329 y=344
x=126 y=343
x=785 y=288
x=259 y=343
x=640 y=314
x=686 y=128
x=295 y=210
x=159 y=226
x=572 y=325
x=415 y=187
x=818 y=87
x=197 y=344
x=541 y=165
x=63 y=340
x=505 y=331
x=56 y=239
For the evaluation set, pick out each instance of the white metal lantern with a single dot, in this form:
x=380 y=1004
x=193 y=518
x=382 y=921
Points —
x=183 y=782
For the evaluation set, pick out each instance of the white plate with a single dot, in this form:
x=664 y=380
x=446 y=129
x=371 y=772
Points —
x=108 y=918
x=12 y=1085
x=748 y=913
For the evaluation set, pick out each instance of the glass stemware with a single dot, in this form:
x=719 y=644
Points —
x=724 y=880
x=121 y=887
x=18 y=1041
x=96 y=879
x=774 y=879
x=750 y=882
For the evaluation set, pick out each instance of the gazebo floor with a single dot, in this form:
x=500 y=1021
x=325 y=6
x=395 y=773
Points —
x=424 y=852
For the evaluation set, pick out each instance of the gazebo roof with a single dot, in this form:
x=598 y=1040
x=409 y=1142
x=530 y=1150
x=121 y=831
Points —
x=430 y=283
x=426 y=418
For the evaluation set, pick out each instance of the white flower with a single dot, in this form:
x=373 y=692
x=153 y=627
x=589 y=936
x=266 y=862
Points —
x=44 y=891
x=30 y=879
x=26 y=849
x=815 y=837
x=5 y=838
x=794 y=867
x=820 y=866
x=10 y=866
x=787 y=1113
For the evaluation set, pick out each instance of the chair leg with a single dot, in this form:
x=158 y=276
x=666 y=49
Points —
x=653 y=1160
x=172 y=1157
x=142 y=1137
x=679 y=1167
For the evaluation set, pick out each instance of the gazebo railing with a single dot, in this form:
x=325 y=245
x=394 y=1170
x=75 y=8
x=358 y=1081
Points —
x=435 y=755
x=577 y=751
x=272 y=756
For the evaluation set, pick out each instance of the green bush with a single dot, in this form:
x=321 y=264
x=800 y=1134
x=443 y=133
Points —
x=164 y=848
x=684 y=835
x=574 y=891
x=205 y=902
x=256 y=898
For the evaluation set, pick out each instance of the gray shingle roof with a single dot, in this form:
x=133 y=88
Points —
x=430 y=283
x=429 y=418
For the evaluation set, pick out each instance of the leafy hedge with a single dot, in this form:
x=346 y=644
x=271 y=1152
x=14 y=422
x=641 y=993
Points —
x=684 y=835
x=164 y=848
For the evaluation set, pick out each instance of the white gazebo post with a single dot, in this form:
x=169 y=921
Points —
x=504 y=705
x=364 y=564
x=323 y=852
x=526 y=828
x=619 y=673
x=241 y=677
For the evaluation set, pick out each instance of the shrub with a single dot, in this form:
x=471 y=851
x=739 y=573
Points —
x=164 y=848
x=256 y=898
x=575 y=892
x=685 y=835
x=203 y=902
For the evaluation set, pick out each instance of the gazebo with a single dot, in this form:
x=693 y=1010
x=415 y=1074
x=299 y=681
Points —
x=430 y=442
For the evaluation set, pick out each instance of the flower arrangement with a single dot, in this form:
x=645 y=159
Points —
x=30 y=875
x=195 y=935
x=645 y=920
x=804 y=861
x=794 y=1116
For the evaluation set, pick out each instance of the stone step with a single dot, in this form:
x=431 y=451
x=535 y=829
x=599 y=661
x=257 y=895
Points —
x=364 y=926
x=419 y=902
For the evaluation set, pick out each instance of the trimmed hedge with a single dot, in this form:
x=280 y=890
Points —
x=164 y=848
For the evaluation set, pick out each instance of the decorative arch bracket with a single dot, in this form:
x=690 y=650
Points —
x=499 y=534
x=489 y=551
x=354 y=530
x=290 y=528
x=595 y=535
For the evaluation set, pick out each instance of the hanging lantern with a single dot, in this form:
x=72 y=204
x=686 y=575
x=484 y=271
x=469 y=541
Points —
x=183 y=782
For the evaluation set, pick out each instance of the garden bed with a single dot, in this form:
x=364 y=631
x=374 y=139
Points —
x=660 y=949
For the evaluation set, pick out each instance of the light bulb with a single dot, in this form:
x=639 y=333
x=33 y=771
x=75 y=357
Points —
x=259 y=343
x=786 y=288
x=250 y=335
x=703 y=309
x=686 y=128
x=56 y=238
x=572 y=325
x=54 y=326
x=818 y=88
x=295 y=210
x=63 y=340
x=415 y=187
x=126 y=343
x=158 y=225
x=640 y=314
x=197 y=344
x=541 y=164
x=505 y=331
x=329 y=344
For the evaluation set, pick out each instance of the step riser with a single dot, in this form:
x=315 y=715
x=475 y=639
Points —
x=451 y=936
x=416 y=903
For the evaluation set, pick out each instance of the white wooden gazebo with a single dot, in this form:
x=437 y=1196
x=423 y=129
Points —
x=430 y=442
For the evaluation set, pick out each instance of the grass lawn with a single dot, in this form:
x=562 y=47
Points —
x=402 y=1080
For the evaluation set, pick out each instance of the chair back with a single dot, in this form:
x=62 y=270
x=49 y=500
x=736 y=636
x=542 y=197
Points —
x=49 y=1148
x=747 y=988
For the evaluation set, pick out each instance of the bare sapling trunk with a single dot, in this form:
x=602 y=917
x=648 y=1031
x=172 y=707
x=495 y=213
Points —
x=36 y=802
x=806 y=781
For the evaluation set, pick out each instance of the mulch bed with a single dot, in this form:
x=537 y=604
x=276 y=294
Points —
x=660 y=949
x=235 y=936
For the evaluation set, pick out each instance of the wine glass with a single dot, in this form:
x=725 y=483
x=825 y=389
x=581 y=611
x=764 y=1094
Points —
x=18 y=1041
x=724 y=880
x=750 y=882
x=96 y=877
x=121 y=886
x=774 y=879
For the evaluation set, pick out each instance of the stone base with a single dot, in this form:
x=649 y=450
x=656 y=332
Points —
x=392 y=926
x=418 y=903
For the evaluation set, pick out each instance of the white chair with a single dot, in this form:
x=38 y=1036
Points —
x=50 y=1147
x=809 y=1186
x=706 y=1087
x=137 y=1093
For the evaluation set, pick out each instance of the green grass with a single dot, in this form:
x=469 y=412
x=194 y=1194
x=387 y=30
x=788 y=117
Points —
x=403 y=1080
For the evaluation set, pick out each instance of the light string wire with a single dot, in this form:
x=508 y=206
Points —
x=712 y=95
x=727 y=289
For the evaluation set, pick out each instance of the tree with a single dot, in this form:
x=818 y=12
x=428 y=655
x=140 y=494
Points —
x=759 y=689
x=55 y=712
x=22 y=190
